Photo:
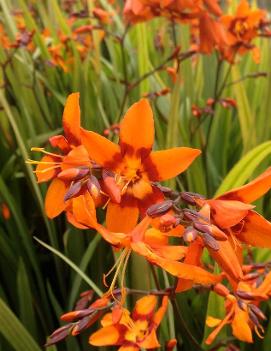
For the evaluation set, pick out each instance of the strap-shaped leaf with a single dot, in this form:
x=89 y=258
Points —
x=14 y=332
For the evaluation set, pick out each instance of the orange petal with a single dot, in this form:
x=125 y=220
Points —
x=77 y=157
x=227 y=213
x=84 y=212
x=227 y=260
x=159 y=314
x=54 y=200
x=128 y=348
x=240 y=326
x=145 y=307
x=150 y=342
x=193 y=256
x=166 y=164
x=122 y=217
x=252 y=191
x=105 y=336
x=71 y=119
x=71 y=219
x=175 y=253
x=178 y=269
x=100 y=149
x=137 y=129
x=44 y=172
x=256 y=231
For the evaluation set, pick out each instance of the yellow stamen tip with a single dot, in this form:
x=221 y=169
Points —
x=37 y=149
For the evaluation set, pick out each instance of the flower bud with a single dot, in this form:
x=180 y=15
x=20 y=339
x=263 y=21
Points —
x=74 y=190
x=246 y=295
x=159 y=209
x=210 y=241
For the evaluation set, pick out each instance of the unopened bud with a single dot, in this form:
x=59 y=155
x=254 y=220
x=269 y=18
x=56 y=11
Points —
x=190 y=234
x=171 y=344
x=210 y=241
x=203 y=227
x=74 y=190
x=73 y=173
x=257 y=311
x=221 y=290
x=251 y=276
x=93 y=186
x=59 y=335
x=189 y=197
x=246 y=295
x=254 y=319
x=111 y=187
x=159 y=209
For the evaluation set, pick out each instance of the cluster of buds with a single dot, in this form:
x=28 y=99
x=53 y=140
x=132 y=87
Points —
x=208 y=109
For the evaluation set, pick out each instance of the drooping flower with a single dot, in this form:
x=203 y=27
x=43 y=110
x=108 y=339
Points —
x=134 y=166
x=234 y=214
x=144 y=240
x=241 y=312
x=132 y=332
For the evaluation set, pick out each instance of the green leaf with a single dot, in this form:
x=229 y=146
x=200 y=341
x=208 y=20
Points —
x=72 y=265
x=14 y=332
x=241 y=172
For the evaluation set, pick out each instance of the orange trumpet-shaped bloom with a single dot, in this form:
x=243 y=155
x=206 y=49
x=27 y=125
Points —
x=233 y=212
x=145 y=241
x=135 y=331
x=242 y=28
x=69 y=170
x=242 y=312
x=135 y=166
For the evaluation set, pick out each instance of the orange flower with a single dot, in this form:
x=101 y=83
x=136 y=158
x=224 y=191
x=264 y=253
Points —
x=242 y=314
x=135 y=166
x=135 y=331
x=232 y=212
x=242 y=28
x=70 y=170
x=145 y=241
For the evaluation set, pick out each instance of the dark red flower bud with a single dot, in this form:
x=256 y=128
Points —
x=203 y=228
x=257 y=311
x=159 y=209
x=74 y=190
x=254 y=319
x=221 y=290
x=251 y=276
x=210 y=241
x=246 y=295
x=59 y=335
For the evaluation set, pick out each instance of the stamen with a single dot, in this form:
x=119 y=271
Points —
x=46 y=169
x=34 y=162
x=121 y=263
x=41 y=149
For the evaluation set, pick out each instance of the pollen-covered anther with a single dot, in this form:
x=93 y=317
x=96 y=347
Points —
x=159 y=209
x=190 y=234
